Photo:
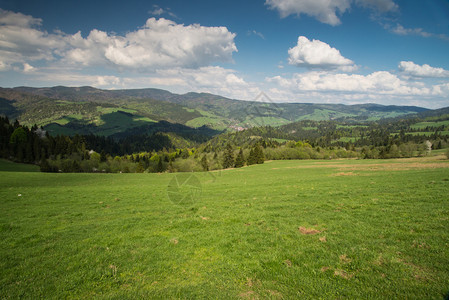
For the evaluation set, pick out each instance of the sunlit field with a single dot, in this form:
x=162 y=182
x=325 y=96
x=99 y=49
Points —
x=285 y=229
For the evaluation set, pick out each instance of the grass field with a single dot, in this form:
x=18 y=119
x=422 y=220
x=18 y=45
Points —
x=422 y=125
x=286 y=229
x=423 y=133
x=9 y=166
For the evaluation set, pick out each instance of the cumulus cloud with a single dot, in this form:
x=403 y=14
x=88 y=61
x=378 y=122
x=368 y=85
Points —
x=412 y=69
x=160 y=43
x=17 y=19
x=70 y=78
x=323 y=10
x=380 y=87
x=326 y=11
x=21 y=39
x=208 y=79
x=211 y=79
x=319 y=55
x=380 y=82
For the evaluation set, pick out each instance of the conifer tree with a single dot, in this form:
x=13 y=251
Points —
x=252 y=157
x=160 y=166
x=260 y=157
x=204 y=163
x=240 y=160
x=228 y=160
x=103 y=156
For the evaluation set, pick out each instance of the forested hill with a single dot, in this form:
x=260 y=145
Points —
x=71 y=110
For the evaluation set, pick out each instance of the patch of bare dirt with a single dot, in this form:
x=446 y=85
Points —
x=344 y=259
x=248 y=295
x=344 y=174
x=305 y=230
x=342 y=273
x=274 y=294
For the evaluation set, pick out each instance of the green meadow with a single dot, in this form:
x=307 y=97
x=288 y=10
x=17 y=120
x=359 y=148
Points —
x=285 y=229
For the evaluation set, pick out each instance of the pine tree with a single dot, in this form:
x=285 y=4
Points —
x=160 y=166
x=204 y=163
x=103 y=156
x=228 y=160
x=252 y=157
x=240 y=160
x=260 y=157
x=29 y=157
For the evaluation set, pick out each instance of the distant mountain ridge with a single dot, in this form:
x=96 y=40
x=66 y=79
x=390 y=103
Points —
x=110 y=112
x=87 y=93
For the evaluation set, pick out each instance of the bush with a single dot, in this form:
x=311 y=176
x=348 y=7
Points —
x=187 y=165
x=46 y=167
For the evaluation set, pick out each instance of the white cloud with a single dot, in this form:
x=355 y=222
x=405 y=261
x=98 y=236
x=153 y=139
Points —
x=412 y=69
x=256 y=33
x=63 y=77
x=158 y=11
x=101 y=81
x=160 y=43
x=17 y=19
x=317 y=54
x=326 y=11
x=379 y=5
x=4 y=66
x=27 y=68
x=211 y=79
x=380 y=87
x=401 y=30
x=21 y=40
x=380 y=82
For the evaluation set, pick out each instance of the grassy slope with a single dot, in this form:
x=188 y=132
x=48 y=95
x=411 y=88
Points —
x=384 y=233
x=422 y=125
x=9 y=166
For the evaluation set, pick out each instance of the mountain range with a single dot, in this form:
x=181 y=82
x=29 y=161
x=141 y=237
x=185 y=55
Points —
x=86 y=110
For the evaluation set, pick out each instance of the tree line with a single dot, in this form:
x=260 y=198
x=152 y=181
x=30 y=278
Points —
x=156 y=152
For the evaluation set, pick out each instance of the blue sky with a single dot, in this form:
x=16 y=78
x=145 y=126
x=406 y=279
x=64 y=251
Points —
x=341 y=51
